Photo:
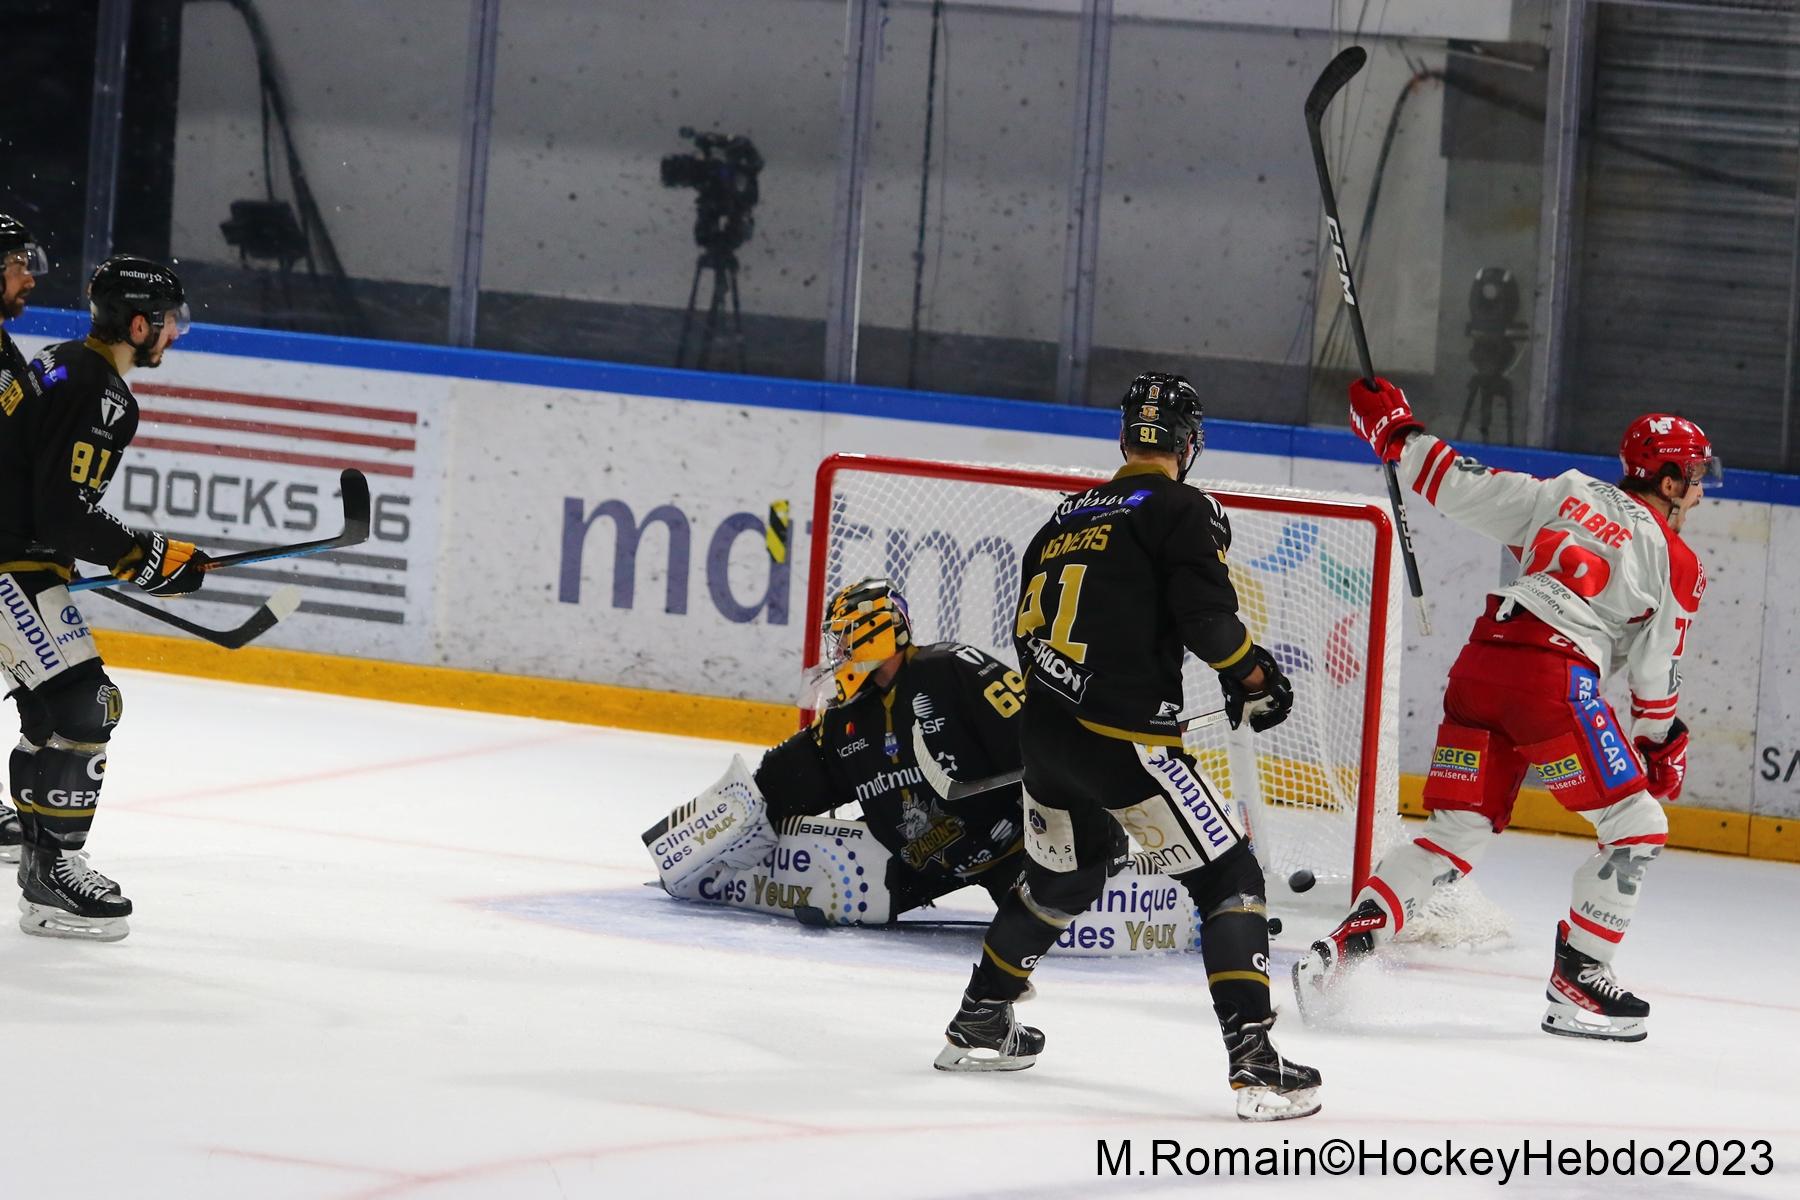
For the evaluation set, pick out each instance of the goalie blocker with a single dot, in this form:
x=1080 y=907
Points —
x=721 y=848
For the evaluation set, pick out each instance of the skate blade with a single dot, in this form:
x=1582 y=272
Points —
x=955 y=1058
x=1268 y=1104
x=1566 y=1020
x=41 y=920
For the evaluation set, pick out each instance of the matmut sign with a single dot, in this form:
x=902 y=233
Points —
x=232 y=470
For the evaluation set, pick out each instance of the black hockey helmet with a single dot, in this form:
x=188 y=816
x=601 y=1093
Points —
x=126 y=286
x=1162 y=412
x=15 y=239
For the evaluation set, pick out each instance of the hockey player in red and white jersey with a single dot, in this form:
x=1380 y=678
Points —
x=1605 y=584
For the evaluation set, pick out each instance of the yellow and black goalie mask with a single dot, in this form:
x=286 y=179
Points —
x=865 y=626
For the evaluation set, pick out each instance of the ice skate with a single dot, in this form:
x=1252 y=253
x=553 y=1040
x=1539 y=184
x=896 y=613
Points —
x=1268 y=1086
x=61 y=896
x=1319 y=971
x=11 y=834
x=985 y=1036
x=1587 y=1002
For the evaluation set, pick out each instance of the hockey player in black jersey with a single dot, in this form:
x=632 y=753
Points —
x=59 y=449
x=858 y=752
x=1116 y=585
x=23 y=260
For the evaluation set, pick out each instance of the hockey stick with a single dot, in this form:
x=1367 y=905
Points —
x=814 y=917
x=353 y=486
x=961 y=789
x=1331 y=81
x=282 y=604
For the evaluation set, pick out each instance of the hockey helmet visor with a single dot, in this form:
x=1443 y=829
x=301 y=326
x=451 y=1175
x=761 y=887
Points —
x=30 y=256
x=866 y=624
x=125 y=286
x=19 y=248
x=1659 y=443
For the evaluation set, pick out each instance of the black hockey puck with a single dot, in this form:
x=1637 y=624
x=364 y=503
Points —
x=1301 y=880
x=1274 y=926
x=812 y=917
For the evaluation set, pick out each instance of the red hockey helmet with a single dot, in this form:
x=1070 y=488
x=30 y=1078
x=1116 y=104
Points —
x=1658 y=440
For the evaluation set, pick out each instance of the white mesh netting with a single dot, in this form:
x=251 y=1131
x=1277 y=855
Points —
x=1305 y=565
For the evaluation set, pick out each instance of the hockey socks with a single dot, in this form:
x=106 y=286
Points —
x=64 y=792
x=1022 y=931
x=1234 y=941
x=1605 y=892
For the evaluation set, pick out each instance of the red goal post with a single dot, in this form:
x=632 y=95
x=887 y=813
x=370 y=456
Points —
x=1317 y=580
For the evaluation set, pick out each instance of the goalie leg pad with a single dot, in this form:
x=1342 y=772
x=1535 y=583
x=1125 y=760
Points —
x=1474 y=770
x=1605 y=891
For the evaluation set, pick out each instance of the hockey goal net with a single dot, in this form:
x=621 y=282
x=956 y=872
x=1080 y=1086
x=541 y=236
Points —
x=1318 y=584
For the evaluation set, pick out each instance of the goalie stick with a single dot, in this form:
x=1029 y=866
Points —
x=1331 y=81
x=353 y=486
x=954 y=789
x=271 y=611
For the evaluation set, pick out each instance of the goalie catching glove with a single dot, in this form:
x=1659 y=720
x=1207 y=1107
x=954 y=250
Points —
x=1267 y=705
x=1665 y=762
x=163 y=566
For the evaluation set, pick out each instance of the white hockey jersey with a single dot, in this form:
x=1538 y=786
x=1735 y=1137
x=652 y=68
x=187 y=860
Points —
x=1599 y=566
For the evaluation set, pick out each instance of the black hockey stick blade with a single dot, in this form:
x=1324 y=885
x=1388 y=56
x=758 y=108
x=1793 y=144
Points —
x=814 y=917
x=267 y=615
x=1331 y=81
x=939 y=780
x=353 y=487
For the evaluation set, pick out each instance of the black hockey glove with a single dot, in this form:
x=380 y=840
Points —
x=163 y=566
x=1266 y=707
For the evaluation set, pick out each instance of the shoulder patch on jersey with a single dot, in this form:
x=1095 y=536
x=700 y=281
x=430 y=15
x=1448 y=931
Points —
x=1687 y=578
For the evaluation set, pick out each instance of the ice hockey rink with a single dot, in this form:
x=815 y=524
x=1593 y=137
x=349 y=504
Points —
x=390 y=951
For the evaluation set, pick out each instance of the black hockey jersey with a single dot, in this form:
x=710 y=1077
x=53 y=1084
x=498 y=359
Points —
x=1117 y=583
x=964 y=703
x=59 y=448
x=16 y=379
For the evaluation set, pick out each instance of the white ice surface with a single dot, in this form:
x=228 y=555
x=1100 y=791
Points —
x=384 y=951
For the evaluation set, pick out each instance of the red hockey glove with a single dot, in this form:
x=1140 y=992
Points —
x=1382 y=417
x=163 y=566
x=1666 y=762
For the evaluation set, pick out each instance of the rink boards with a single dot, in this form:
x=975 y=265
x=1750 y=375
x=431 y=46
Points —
x=644 y=530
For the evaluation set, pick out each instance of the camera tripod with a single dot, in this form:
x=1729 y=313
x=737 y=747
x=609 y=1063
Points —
x=724 y=266
x=1487 y=388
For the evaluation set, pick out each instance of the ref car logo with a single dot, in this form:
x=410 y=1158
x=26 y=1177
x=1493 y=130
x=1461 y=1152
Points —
x=1564 y=772
x=1455 y=760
